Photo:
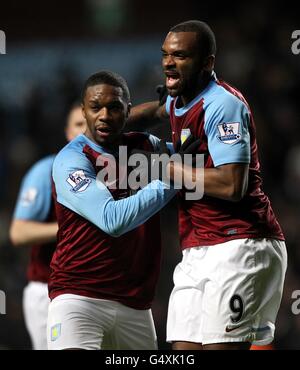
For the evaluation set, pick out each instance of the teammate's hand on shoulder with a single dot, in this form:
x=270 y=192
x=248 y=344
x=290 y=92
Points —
x=189 y=146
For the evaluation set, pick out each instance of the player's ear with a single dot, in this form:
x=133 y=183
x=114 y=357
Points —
x=209 y=63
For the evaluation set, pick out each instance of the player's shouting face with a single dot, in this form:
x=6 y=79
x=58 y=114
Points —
x=183 y=64
x=106 y=111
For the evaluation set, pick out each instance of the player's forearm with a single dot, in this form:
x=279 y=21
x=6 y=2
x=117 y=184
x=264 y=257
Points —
x=223 y=186
x=116 y=217
x=27 y=233
x=146 y=115
x=216 y=182
x=120 y=216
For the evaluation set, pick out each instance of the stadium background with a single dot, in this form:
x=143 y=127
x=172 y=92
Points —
x=52 y=47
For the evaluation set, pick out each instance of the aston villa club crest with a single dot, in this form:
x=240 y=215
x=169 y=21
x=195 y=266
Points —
x=185 y=133
x=229 y=132
x=78 y=181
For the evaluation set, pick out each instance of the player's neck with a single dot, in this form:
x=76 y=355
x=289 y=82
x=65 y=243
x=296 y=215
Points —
x=193 y=93
x=110 y=147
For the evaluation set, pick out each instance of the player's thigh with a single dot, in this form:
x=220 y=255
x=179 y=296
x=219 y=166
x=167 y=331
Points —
x=184 y=322
x=76 y=322
x=240 y=291
x=134 y=330
x=35 y=308
x=271 y=259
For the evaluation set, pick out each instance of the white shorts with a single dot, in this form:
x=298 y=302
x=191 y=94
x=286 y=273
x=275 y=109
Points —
x=87 y=323
x=228 y=292
x=35 y=308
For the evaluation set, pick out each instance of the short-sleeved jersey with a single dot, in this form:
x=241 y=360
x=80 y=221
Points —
x=222 y=119
x=35 y=203
x=109 y=243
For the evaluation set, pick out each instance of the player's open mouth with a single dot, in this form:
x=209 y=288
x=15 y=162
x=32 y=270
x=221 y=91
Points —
x=104 y=131
x=172 y=80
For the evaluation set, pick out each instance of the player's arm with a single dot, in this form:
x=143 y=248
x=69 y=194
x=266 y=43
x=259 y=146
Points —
x=28 y=233
x=228 y=180
x=94 y=201
x=32 y=208
x=147 y=114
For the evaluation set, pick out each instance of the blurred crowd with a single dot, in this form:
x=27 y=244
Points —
x=254 y=55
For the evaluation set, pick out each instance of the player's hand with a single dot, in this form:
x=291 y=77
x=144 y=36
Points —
x=162 y=92
x=189 y=146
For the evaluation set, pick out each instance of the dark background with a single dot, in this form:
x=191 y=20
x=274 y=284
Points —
x=52 y=47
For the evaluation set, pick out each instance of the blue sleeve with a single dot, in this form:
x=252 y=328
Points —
x=34 y=199
x=78 y=190
x=227 y=121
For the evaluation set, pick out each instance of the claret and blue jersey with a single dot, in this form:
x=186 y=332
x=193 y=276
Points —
x=221 y=118
x=91 y=199
x=108 y=241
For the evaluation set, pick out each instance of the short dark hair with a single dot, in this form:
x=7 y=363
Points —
x=108 y=78
x=206 y=37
